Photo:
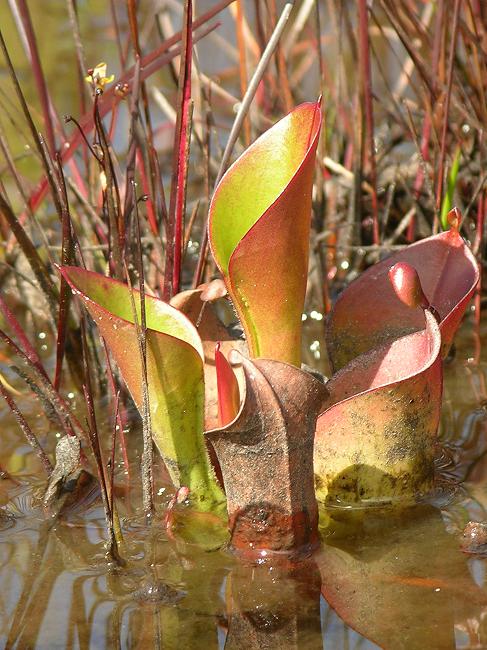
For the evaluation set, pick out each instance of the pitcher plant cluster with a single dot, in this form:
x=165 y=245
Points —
x=237 y=421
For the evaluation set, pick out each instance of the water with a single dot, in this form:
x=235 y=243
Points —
x=392 y=579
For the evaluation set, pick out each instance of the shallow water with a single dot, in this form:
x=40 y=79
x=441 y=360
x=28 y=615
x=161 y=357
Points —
x=380 y=579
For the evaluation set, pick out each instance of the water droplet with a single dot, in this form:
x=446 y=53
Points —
x=315 y=349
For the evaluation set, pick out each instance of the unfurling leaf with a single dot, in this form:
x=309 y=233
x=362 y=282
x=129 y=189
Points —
x=376 y=440
x=259 y=226
x=368 y=313
x=212 y=331
x=228 y=390
x=450 y=190
x=266 y=457
x=174 y=372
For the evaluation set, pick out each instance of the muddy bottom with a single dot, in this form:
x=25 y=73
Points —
x=388 y=578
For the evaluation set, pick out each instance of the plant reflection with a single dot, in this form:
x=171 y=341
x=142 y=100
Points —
x=395 y=580
x=399 y=579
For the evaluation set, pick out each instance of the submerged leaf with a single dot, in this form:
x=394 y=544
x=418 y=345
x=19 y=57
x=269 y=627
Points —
x=376 y=440
x=266 y=459
x=174 y=369
x=259 y=226
x=368 y=313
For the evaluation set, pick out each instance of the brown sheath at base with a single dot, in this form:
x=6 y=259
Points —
x=266 y=456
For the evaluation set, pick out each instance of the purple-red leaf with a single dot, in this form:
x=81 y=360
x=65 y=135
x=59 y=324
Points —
x=376 y=440
x=407 y=285
x=368 y=313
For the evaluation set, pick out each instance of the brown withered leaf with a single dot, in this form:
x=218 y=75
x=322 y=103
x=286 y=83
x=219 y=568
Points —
x=68 y=481
x=211 y=330
x=266 y=457
x=213 y=291
x=70 y=485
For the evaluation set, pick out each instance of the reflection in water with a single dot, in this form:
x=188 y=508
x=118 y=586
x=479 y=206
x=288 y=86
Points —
x=391 y=581
x=59 y=592
x=399 y=580
x=274 y=607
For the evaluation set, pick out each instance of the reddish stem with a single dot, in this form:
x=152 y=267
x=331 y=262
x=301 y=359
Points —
x=121 y=415
x=38 y=73
x=426 y=132
x=27 y=347
x=149 y=64
x=366 y=79
x=479 y=230
x=177 y=201
x=64 y=290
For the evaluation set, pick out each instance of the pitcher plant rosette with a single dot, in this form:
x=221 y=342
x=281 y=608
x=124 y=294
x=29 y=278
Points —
x=371 y=428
